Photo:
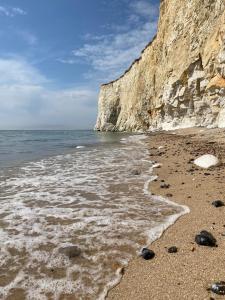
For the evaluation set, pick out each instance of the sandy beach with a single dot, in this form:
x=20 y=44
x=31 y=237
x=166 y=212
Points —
x=188 y=273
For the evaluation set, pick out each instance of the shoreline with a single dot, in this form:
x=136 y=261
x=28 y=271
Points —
x=188 y=273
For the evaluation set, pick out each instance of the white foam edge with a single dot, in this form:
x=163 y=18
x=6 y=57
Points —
x=110 y=285
x=80 y=147
x=153 y=234
x=156 y=232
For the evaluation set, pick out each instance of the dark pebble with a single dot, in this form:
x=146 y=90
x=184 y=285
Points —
x=71 y=251
x=169 y=195
x=147 y=254
x=218 y=288
x=172 y=249
x=218 y=203
x=191 y=161
x=164 y=186
x=205 y=238
x=122 y=271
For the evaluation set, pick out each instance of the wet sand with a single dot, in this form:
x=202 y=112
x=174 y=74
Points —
x=188 y=273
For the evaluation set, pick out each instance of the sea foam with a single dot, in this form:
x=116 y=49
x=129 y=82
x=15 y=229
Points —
x=89 y=199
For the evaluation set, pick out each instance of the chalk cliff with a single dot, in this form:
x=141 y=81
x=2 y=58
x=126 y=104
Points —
x=179 y=80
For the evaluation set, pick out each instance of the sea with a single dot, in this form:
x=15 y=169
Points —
x=69 y=188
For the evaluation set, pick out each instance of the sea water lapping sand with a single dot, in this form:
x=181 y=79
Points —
x=95 y=198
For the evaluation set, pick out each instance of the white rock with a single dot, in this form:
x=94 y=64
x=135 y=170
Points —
x=206 y=161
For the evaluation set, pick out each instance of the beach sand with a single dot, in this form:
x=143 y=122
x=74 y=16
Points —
x=188 y=273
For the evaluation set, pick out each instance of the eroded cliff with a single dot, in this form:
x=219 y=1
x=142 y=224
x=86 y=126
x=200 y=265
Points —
x=179 y=80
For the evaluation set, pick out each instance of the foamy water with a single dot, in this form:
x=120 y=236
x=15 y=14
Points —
x=94 y=198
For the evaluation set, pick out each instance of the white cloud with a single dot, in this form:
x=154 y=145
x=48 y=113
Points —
x=112 y=54
x=27 y=101
x=28 y=37
x=109 y=55
x=145 y=8
x=18 y=71
x=11 y=11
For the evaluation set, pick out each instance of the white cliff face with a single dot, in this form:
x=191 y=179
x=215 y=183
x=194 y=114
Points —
x=179 y=80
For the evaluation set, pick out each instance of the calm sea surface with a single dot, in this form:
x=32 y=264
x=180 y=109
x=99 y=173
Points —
x=74 y=188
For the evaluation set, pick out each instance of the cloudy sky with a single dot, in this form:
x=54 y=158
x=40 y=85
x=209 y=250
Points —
x=55 y=54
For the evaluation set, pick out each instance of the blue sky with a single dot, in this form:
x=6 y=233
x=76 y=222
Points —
x=55 y=54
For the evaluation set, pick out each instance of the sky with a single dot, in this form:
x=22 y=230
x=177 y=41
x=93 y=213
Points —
x=54 y=55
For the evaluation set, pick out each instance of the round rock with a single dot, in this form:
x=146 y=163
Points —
x=205 y=238
x=218 y=288
x=206 y=161
x=147 y=254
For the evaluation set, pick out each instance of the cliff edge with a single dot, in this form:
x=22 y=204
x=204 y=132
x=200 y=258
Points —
x=179 y=80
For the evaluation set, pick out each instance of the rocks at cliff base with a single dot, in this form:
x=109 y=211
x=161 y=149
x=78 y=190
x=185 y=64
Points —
x=205 y=238
x=70 y=251
x=218 y=203
x=147 y=254
x=206 y=161
x=218 y=288
x=172 y=249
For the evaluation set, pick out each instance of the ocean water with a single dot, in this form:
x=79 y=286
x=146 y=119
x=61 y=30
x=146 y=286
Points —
x=74 y=188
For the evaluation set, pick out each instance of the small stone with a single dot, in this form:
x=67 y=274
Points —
x=158 y=166
x=218 y=288
x=164 y=186
x=169 y=195
x=192 y=249
x=122 y=271
x=205 y=238
x=173 y=249
x=218 y=203
x=147 y=254
x=70 y=251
